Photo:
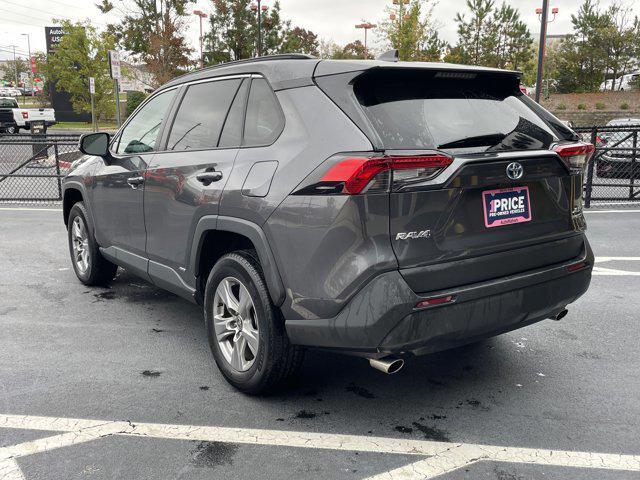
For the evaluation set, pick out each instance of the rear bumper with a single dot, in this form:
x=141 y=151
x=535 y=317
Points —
x=381 y=319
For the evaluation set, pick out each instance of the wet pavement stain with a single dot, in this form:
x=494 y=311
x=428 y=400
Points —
x=108 y=295
x=157 y=330
x=432 y=433
x=360 y=391
x=403 y=429
x=204 y=387
x=213 y=454
x=151 y=373
x=304 y=414
x=6 y=310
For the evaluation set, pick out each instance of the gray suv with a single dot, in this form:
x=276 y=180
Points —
x=376 y=208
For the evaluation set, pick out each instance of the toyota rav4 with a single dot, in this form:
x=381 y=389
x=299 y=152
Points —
x=376 y=208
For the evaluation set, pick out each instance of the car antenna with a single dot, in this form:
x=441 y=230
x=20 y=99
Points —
x=389 y=56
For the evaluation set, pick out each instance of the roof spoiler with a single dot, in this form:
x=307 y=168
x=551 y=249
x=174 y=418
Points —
x=390 y=56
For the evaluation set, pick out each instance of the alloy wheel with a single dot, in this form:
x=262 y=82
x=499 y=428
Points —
x=80 y=244
x=235 y=323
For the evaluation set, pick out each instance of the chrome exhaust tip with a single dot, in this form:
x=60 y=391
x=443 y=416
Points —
x=388 y=365
x=561 y=315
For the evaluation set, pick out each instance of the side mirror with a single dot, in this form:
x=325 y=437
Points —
x=95 y=144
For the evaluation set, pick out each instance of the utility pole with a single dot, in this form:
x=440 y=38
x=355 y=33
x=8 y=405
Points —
x=259 y=8
x=543 y=14
x=30 y=71
x=201 y=15
x=15 y=66
x=366 y=26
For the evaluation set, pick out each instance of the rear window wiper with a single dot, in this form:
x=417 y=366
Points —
x=477 y=141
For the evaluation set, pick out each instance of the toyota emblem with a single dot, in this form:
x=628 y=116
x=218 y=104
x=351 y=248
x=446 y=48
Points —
x=515 y=171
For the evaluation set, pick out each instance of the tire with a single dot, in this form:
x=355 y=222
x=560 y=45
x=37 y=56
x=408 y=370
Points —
x=90 y=266
x=12 y=130
x=276 y=361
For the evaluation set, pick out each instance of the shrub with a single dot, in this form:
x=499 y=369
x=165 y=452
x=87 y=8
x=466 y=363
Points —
x=561 y=106
x=133 y=100
x=582 y=106
x=624 y=106
x=599 y=106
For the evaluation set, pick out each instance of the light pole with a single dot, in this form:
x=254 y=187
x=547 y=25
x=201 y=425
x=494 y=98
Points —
x=366 y=26
x=543 y=14
x=201 y=15
x=259 y=8
x=30 y=70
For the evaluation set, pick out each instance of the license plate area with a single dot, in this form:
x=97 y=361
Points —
x=506 y=206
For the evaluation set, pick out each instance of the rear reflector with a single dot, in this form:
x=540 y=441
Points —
x=357 y=173
x=431 y=302
x=575 y=155
x=576 y=266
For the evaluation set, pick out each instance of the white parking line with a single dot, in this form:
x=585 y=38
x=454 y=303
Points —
x=437 y=457
x=614 y=271
x=27 y=209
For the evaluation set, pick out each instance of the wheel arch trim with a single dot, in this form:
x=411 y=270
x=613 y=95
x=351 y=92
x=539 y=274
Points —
x=255 y=234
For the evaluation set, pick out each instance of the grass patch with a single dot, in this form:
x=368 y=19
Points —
x=82 y=126
x=599 y=106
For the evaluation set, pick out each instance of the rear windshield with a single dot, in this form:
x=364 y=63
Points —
x=464 y=112
x=8 y=103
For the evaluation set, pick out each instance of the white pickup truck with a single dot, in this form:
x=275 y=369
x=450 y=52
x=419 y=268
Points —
x=13 y=118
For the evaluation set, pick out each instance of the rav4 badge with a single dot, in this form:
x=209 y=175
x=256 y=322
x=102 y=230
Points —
x=411 y=235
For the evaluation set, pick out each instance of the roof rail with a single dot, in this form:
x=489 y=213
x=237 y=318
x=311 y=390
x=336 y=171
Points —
x=279 y=56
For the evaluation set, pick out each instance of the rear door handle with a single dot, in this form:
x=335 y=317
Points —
x=208 y=177
x=135 y=182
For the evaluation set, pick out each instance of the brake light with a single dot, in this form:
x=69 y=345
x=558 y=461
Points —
x=25 y=115
x=355 y=175
x=575 y=155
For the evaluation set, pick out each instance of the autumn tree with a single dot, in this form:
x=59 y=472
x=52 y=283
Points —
x=300 y=40
x=82 y=53
x=153 y=32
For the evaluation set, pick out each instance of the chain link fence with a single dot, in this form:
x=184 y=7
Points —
x=613 y=173
x=32 y=166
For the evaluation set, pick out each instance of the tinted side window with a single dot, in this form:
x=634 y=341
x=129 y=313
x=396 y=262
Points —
x=139 y=136
x=232 y=130
x=264 y=120
x=201 y=115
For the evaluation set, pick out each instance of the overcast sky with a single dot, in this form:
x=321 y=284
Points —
x=330 y=19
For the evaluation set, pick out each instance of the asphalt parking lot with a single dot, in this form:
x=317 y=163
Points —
x=120 y=383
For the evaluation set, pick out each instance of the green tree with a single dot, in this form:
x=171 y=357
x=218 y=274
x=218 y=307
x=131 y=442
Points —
x=492 y=36
x=82 y=53
x=9 y=69
x=621 y=38
x=603 y=43
x=233 y=33
x=153 y=32
x=411 y=30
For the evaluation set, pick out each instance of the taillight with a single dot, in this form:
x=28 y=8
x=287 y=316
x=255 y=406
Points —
x=575 y=155
x=353 y=175
x=25 y=115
